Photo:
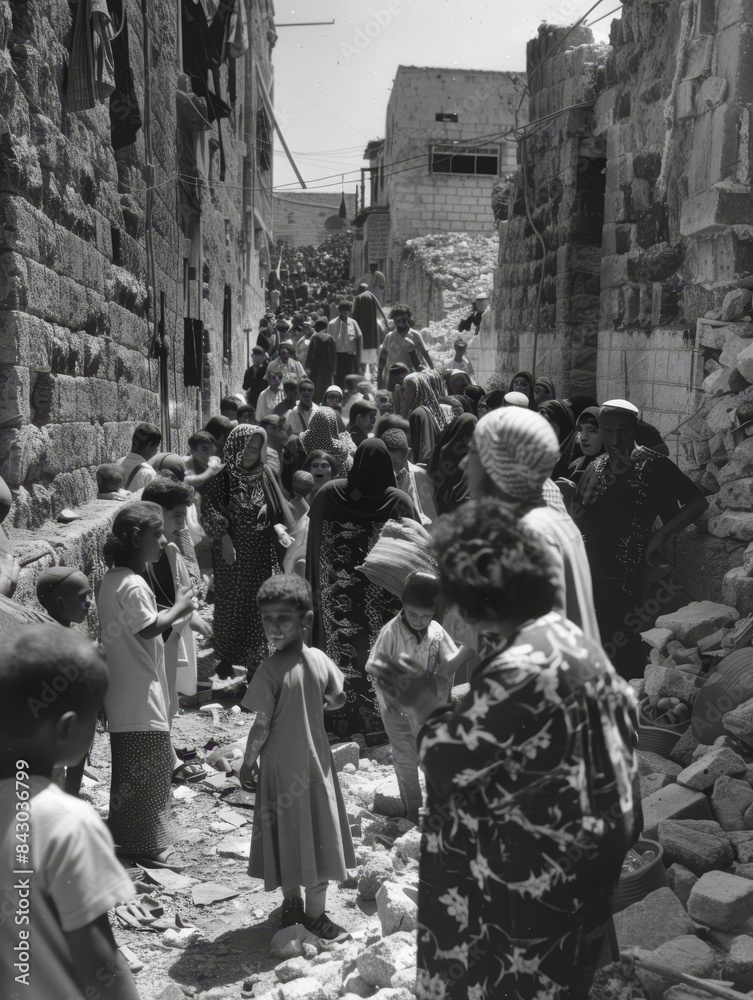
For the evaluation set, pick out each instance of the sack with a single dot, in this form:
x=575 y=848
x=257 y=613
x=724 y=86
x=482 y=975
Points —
x=403 y=547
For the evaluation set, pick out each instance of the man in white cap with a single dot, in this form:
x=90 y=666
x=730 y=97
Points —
x=513 y=452
x=618 y=500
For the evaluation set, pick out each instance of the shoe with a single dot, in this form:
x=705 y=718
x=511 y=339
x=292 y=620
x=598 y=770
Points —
x=292 y=911
x=322 y=927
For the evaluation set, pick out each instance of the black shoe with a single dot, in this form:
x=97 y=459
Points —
x=292 y=911
x=225 y=670
x=323 y=928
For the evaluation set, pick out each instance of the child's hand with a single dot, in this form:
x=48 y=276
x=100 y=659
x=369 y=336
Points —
x=405 y=685
x=185 y=599
x=228 y=550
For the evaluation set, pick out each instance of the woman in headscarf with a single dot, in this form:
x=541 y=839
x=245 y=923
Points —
x=589 y=442
x=321 y=359
x=523 y=382
x=426 y=415
x=322 y=467
x=321 y=435
x=345 y=520
x=444 y=471
x=543 y=391
x=240 y=508
x=474 y=394
x=530 y=777
x=558 y=414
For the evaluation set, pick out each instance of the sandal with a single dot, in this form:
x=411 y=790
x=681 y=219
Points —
x=188 y=773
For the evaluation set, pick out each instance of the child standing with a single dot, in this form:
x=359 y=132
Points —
x=60 y=937
x=414 y=634
x=137 y=703
x=301 y=835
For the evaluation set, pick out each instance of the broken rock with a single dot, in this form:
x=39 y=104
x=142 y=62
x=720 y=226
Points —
x=687 y=953
x=378 y=870
x=657 y=638
x=742 y=845
x=684 y=748
x=289 y=942
x=703 y=773
x=380 y=961
x=696 y=620
x=721 y=900
x=673 y=802
x=730 y=800
x=739 y=722
x=397 y=907
x=654 y=763
x=738 y=965
x=652 y=921
x=694 y=848
x=681 y=881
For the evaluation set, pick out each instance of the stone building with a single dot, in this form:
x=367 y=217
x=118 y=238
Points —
x=447 y=142
x=133 y=235
x=306 y=218
x=626 y=263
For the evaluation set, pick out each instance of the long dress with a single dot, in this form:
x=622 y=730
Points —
x=321 y=361
x=530 y=812
x=346 y=519
x=301 y=834
x=246 y=504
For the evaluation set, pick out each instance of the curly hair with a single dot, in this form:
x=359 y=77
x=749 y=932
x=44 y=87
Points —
x=122 y=542
x=293 y=590
x=168 y=493
x=491 y=564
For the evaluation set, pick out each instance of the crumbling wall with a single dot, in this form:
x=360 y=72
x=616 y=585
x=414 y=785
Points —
x=77 y=323
x=546 y=301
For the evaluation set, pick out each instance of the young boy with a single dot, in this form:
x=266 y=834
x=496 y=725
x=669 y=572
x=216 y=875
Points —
x=305 y=843
x=415 y=636
x=56 y=855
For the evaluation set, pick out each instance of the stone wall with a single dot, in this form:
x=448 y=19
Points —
x=304 y=218
x=78 y=320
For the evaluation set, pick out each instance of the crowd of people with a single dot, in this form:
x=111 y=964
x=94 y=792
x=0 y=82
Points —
x=492 y=653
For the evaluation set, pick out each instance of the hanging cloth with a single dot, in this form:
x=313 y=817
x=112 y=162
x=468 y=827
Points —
x=91 y=70
x=125 y=117
x=193 y=335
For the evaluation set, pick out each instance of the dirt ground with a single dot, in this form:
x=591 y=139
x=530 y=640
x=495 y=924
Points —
x=233 y=951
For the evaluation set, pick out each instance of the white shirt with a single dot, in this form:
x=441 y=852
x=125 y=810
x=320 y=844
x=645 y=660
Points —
x=268 y=399
x=297 y=420
x=73 y=878
x=345 y=335
x=432 y=651
x=144 y=474
x=138 y=697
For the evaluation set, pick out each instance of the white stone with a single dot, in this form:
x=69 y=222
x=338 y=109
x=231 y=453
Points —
x=380 y=961
x=397 y=907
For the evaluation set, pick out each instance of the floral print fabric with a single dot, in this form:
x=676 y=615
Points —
x=530 y=812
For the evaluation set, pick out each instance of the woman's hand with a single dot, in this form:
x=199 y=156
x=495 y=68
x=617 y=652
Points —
x=228 y=550
x=198 y=624
x=405 y=685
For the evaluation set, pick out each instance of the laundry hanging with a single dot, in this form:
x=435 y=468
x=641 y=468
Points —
x=125 y=117
x=91 y=70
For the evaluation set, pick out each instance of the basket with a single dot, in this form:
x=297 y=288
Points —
x=657 y=739
x=635 y=886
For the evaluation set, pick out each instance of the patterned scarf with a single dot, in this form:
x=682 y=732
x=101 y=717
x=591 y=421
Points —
x=428 y=386
x=323 y=435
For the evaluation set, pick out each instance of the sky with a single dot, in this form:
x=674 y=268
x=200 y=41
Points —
x=332 y=82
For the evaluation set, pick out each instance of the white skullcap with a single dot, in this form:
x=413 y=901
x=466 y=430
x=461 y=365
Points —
x=518 y=450
x=517 y=399
x=621 y=404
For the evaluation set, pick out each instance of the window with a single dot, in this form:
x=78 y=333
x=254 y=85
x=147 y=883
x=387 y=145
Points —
x=446 y=116
x=263 y=140
x=465 y=160
x=227 y=323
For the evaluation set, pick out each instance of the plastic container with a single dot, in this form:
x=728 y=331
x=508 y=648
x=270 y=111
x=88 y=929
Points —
x=655 y=738
x=634 y=886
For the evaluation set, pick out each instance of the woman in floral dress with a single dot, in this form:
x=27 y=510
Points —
x=239 y=510
x=529 y=780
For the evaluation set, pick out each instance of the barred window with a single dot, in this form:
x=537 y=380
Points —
x=465 y=160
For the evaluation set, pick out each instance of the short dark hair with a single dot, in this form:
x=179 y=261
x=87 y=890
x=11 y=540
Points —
x=168 y=493
x=201 y=437
x=421 y=589
x=293 y=590
x=118 y=547
x=245 y=408
x=145 y=434
x=401 y=309
x=229 y=403
x=219 y=426
x=362 y=408
x=110 y=477
x=43 y=658
x=344 y=305
x=314 y=455
x=489 y=561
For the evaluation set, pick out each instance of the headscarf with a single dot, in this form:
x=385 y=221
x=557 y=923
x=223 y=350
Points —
x=474 y=393
x=494 y=400
x=248 y=487
x=443 y=470
x=565 y=466
x=517 y=449
x=548 y=385
x=589 y=415
x=526 y=375
x=462 y=401
x=581 y=401
x=560 y=414
x=427 y=396
x=371 y=482
x=322 y=435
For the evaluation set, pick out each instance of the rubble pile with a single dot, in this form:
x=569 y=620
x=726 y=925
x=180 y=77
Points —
x=457 y=267
x=695 y=751
x=717 y=446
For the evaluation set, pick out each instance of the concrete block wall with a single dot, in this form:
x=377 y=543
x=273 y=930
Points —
x=300 y=217
x=76 y=319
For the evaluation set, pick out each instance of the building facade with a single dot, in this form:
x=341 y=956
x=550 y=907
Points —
x=448 y=141
x=136 y=215
x=306 y=218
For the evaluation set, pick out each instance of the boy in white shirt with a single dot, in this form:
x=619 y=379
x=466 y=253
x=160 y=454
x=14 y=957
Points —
x=59 y=944
x=414 y=635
